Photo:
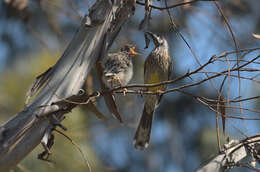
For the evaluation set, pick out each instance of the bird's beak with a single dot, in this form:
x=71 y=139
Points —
x=132 y=51
x=156 y=39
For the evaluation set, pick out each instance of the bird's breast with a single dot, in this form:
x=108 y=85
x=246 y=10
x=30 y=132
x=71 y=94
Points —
x=156 y=71
x=153 y=78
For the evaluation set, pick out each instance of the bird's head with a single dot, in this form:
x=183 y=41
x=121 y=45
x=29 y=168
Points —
x=158 y=40
x=129 y=49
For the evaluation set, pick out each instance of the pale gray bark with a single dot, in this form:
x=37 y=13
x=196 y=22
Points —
x=21 y=134
x=234 y=152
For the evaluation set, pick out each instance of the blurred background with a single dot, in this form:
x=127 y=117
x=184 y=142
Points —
x=35 y=33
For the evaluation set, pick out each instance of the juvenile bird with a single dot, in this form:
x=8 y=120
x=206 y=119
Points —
x=157 y=68
x=118 y=70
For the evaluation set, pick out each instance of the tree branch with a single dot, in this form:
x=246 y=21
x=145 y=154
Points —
x=21 y=134
x=188 y=74
x=171 y=6
x=234 y=152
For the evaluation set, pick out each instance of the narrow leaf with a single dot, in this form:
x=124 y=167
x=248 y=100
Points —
x=222 y=109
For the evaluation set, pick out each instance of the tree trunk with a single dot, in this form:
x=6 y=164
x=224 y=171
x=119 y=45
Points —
x=21 y=134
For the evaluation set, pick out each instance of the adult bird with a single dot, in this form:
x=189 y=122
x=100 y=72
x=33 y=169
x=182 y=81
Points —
x=118 y=69
x=157 y=68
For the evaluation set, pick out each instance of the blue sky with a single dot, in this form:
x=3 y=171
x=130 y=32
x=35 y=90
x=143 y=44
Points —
x=205 y=38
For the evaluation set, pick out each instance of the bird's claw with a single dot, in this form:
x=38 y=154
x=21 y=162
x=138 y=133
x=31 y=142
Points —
x=124 y=91
x=140 y=92
x=159 y=92
x=114 y=80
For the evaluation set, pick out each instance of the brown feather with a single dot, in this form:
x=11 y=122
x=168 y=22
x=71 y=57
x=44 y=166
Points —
x=143 y=132
x=108 y=97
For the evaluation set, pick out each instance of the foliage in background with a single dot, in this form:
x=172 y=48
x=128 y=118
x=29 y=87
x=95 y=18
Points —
x=183 y=130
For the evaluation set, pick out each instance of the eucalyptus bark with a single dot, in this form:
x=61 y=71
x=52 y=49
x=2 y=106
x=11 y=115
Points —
x=21 y=134
x=236 y=153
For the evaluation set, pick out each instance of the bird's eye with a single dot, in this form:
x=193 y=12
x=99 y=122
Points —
x=160 y=41
x=125 y=49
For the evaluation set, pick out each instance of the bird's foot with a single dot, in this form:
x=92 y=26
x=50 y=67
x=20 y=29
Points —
x=114 y=81
x=159 y=92
x=117 y=79
x=124 y=91
x=140 y=92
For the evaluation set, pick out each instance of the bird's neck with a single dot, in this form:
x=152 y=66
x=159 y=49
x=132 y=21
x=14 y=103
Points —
x=163 y=49
x=126 y=54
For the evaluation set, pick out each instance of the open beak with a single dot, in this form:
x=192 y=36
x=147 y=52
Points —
x=132 y=51
x=155 y=38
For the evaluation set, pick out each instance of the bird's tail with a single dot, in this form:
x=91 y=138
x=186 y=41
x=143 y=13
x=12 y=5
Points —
x=143 y=132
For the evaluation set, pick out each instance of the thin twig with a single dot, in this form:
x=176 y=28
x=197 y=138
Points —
x=77 y=146
x=235 y=107
x=230 y=75
x=226 y=116
x=236 y=47
x=194 y=55
x=171 y=6
x=180 y=78
x=232 y=101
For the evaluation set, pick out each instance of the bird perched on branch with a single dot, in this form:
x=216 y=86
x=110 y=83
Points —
x=118 y=70
x=157 y=68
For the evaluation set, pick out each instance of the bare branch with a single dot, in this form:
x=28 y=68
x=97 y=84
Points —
x=234 y=152
x=21 y=134
x=171 y=6
x=184 y=76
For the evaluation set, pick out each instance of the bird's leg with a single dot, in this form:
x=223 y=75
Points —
x=113 y=80
x=124 y=91
x=159 y=92
x=117 y=79
x=140 y=92
x=110 y=81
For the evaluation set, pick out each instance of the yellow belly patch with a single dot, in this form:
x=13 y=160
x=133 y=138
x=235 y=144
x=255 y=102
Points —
x=152 y=79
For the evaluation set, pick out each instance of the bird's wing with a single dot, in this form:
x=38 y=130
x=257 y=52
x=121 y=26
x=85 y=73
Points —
x=115 y=64
x=148 y=62
x=151 y=72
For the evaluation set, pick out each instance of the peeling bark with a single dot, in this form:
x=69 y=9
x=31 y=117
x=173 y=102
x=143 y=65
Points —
x=21 y=134
x=233 y=155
